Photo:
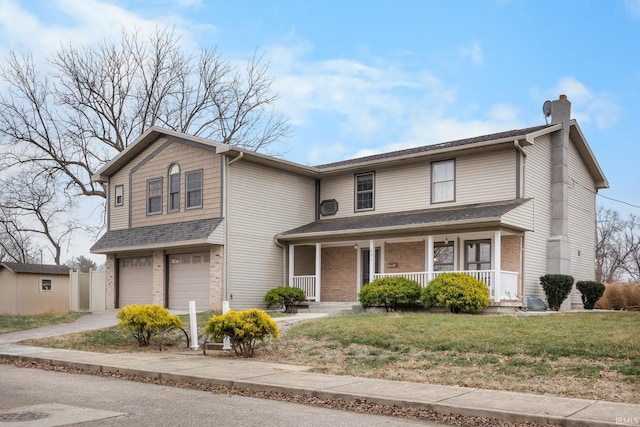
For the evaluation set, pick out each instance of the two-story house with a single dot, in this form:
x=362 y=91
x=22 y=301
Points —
x=189 y=219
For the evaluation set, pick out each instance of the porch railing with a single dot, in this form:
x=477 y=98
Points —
x=508 y=289
x=307 y=284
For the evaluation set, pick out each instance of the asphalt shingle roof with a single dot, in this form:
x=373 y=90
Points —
x=408 y=218
x=18 y=267
x=427 y=148
x=157 y=234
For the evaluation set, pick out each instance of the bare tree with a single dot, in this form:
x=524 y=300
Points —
x=617 y=245
x=31 y=196
x=96 y=100
x=15 y=246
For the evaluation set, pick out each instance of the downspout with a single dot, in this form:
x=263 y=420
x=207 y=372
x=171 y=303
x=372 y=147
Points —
x=284 y=258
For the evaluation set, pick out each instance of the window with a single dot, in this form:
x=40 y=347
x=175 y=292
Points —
x=154 y=196
x=443 y=256
x=119 y=196
x=364 y=191
x=443 y=181
x=174 y=188
x=478 y=255
x=45 y=285
x=194 y=189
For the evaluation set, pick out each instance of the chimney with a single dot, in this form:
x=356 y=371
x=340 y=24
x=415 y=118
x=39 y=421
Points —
x=558 y=245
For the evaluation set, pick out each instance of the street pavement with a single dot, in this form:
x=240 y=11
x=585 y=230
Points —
x=193 y=366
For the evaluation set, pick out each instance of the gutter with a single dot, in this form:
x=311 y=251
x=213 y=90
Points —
x=284 y=257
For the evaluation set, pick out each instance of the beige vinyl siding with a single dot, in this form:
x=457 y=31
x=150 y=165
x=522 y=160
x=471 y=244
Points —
x=156 y=164
x=582 y=227
x=479 y=178
x=24 y=296
x=537 y=186
x=522 y=216
x=262 y=202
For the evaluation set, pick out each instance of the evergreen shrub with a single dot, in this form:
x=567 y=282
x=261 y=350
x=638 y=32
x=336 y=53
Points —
x=285 y=296
x=458 y=292
x=390 y=293
x=591 y=292
x=557 y=288
x=244 y=329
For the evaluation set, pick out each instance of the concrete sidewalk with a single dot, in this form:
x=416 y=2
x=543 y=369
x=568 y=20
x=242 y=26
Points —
x=193 y=366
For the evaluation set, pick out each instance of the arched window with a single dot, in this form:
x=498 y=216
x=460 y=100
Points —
x=174 y=188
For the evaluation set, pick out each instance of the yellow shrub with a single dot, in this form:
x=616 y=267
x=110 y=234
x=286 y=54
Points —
x=244 y=329
x=145 y=321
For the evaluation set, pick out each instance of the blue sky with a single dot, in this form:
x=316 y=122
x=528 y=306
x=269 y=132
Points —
x=361 y=77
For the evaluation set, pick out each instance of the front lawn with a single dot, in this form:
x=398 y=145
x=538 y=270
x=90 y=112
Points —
x=586 y=355
x=12 y=323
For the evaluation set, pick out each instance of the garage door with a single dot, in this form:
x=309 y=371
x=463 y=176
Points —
x=189 y=281
x=135 y=284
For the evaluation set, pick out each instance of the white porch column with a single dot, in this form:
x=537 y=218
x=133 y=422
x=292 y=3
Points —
x=318 y=270
x=372 y=259
x=497 y=264
x=428 y=261
x=359 y=271
x=291 y=264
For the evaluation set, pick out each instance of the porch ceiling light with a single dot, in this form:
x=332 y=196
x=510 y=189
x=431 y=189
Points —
x=355 y=246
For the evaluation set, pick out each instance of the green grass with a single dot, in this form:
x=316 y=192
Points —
x=12 y=323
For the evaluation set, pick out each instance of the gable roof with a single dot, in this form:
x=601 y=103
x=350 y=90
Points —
x=475 y=214
x=18 y=267
x=156 y=236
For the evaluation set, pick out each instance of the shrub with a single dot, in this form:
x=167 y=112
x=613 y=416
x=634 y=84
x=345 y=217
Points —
x=620 y=296
x=244 y=329
x=557 y=288
x=591 y=292
x=458 y=292
x=390 y=293
x=145 y=321
x=286 y=296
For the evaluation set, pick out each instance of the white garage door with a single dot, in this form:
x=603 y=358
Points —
x=135 y=284
x=189 y=281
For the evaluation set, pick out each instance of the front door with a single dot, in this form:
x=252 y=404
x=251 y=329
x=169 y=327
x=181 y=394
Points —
x=365 y=265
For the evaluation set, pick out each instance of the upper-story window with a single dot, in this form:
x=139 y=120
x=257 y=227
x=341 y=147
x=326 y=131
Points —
x=174 y=188
x=154 y=196
x=364 y=186
x=443 y=181
x=194 y=189
x=119 y=195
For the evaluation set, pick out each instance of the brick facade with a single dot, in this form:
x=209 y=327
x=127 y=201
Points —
x=216 y=269
x=338 y=274
x=510 y=254
x=404 y=257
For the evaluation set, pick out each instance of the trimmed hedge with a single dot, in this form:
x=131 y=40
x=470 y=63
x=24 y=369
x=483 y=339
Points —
x=591 y=292
x=390 y=293
x=458 y=292
x=287 y=297
x=244 y=329
x=145 y=321
x=557 y=288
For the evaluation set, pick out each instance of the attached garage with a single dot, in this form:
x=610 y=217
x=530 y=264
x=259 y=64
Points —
x=135 y=284
x=189 y=280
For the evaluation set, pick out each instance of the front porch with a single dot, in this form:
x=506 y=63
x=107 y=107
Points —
x=336 y=271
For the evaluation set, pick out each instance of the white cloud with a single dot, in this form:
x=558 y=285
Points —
x=587 y=104
x=472 y=51
x=633 y=7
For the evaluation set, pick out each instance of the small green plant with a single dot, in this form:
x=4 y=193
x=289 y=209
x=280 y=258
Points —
x=591 y=292
x=244 y=329
x=458 y=292
x=390 y=293
x=557 y=288
x=287 y=297
x=146 y=321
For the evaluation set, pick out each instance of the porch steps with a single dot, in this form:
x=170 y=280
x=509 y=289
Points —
x=329 y=307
